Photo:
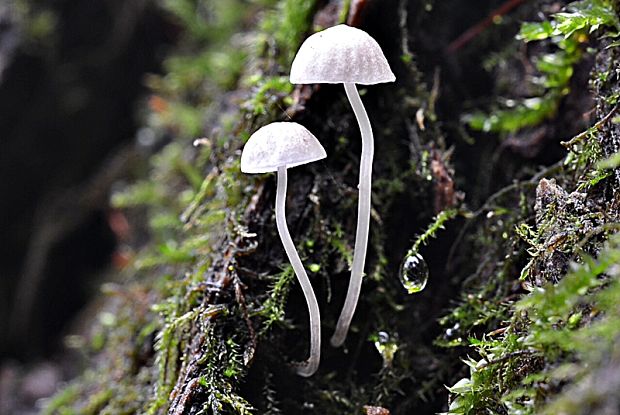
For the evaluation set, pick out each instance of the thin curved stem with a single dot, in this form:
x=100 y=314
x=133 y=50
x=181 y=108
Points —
x=363 y=216
x=310 y=366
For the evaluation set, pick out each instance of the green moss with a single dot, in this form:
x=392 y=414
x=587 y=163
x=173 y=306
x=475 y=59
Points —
x=269 y=93
x=546 y=327
x=287 y=25
x=60 y=403
x=272 y=309
x=537 y=355
x=526 y=113
x=201 y=295
x=188 y=215
x=97 y=402
x=431 y=232
x=208 y=21
x=344 y=11
x=566 y=31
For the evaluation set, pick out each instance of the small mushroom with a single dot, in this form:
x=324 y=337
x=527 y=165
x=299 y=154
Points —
x=343 y=54
x=276 y=147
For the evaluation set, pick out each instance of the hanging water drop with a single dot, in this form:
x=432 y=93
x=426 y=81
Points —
x=386 y=346
x=413 y=273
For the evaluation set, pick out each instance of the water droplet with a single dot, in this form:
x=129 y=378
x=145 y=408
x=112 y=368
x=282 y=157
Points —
x=453 y=331
x=386 y=346
x=452 y=336
x=413 y=273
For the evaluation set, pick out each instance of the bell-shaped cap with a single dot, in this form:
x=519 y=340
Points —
x=341 y=54
x=280 y=144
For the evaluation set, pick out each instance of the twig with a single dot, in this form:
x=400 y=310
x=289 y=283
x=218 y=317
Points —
x=479 y=27
x=355 y=12
x=568 y=144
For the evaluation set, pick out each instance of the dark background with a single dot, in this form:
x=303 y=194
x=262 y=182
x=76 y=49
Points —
x=70 y=99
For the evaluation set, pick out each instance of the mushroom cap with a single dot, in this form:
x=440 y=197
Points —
x=341 y=54
x=280 y=144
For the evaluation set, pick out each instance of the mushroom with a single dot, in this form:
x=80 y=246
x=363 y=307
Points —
x=343 y=54
x=276 y=147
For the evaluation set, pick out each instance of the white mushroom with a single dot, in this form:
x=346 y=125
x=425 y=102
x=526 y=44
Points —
x=343 y=54
x=276 y=147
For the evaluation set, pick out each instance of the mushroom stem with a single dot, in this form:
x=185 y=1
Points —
x=363 y=216
x=310 y=366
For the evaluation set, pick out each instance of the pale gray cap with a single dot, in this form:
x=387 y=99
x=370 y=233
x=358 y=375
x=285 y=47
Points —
x=341 y=54
x=280 y=144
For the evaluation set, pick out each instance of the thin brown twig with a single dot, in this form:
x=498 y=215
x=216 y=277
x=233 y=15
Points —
x=479 y=27
x=568 y=144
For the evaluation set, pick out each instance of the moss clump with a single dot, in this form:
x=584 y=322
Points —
x=207 y=317
x=568 y=32
x=529 y=334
